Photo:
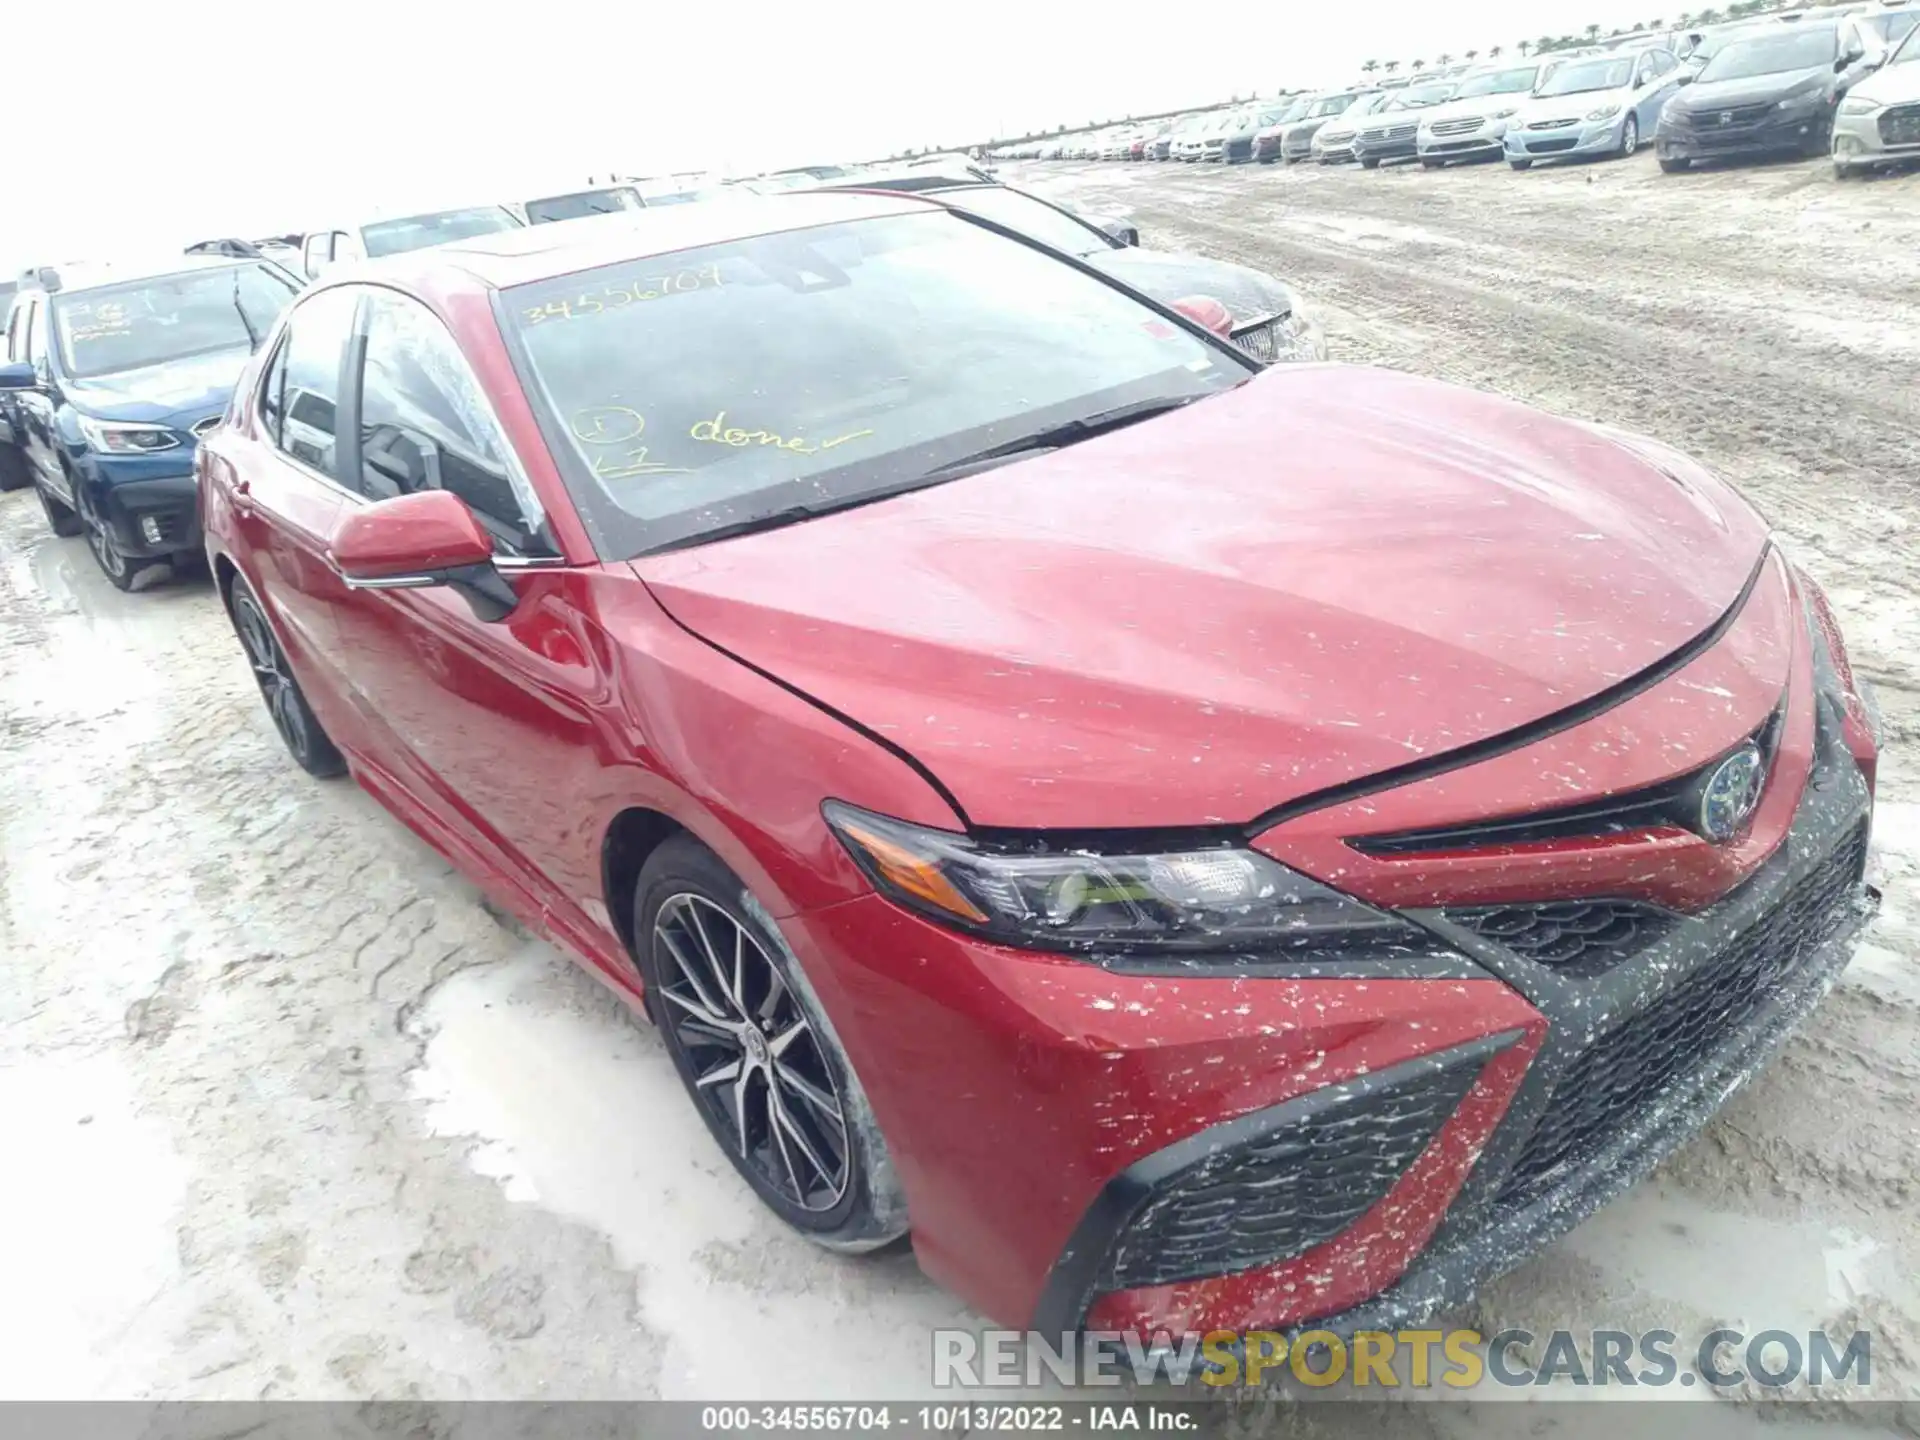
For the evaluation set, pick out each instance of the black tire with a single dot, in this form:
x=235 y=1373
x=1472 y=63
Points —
x=62 y=521
x=14 y=474
x=1674 y=166
x=123 y=571
x=1370 y=163
x=1521 y=164
x=300 y=730
x=1630 y=136
x=763 y=1066
x=1431 y=164
x=1843 y=171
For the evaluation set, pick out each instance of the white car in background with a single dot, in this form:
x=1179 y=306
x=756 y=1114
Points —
x=1473 y=124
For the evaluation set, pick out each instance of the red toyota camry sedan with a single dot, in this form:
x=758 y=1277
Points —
x=1198 y=846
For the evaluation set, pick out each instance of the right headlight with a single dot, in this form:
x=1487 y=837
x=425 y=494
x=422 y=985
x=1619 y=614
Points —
x=1858 y=105
x=1223 y=899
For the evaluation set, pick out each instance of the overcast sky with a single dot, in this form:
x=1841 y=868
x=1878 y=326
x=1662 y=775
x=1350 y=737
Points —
x=140 y=125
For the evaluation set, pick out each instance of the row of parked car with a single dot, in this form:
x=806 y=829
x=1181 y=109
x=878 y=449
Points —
x=1837 y=81
x=112 y=372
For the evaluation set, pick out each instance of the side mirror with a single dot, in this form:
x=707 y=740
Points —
x=415 y=541
x=1686 y=78
x=1123 y=233
x=18 y=376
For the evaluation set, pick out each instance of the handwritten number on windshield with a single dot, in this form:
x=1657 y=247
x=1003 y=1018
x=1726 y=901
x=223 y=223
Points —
x=618 y=296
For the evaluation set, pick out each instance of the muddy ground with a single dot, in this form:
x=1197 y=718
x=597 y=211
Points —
x=286 y=1111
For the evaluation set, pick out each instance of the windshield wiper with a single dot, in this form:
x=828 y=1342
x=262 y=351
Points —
x=1052 y=438
x=1055 y=436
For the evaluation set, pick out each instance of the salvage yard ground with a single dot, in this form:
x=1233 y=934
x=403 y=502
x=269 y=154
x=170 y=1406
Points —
x=286 y=1111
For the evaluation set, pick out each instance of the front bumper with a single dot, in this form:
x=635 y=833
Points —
x=1598 y=137
x=153 y=516
x=1804 y=131
x=1891 y=133
x=1488 y=139
x=1340 y=153
x=1380 y=150
x=1633 y=1063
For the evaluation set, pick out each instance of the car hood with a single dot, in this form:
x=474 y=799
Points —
x=1247 y=294
x=1477 y=106
x=1717 y=94
x=1323 y=574
x=178 y=391
x=1894 y=85
x=1556 y=107
x=1306 y=129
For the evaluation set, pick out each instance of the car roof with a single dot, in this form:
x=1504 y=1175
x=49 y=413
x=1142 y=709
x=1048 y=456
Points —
x=91 y=274
x=541 y=252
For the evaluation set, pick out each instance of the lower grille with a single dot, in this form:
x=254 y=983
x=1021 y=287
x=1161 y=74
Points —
x=1572 y=937
x=1548 y=147
x=1901 y=125
x=1287 y=1190
x=1622 y=1072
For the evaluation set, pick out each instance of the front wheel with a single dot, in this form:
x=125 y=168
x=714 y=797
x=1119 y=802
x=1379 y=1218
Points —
x=1630 y=136
x=1370 y=163
x=123 y=572
x=757 y=1054
x=287 y=704
x=1521 y=164
x=1675 y=165
x=14 y=474
x=1431 y=164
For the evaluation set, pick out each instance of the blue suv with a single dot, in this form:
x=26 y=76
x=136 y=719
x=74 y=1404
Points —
x=110 y=377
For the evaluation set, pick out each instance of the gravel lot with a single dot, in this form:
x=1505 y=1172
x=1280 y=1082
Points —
x=297 y=1116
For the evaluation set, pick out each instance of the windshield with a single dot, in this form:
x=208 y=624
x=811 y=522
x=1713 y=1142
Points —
x=583 y=203
x=1714 y=41
x=730 y=383
x=1030 y=217
x=1498 y=82
x=1419 y=97
x=416 y=232
x=1331 y=105
x=1794 y=49
x=1909 y=49
x=113 y=328
x=1586 y=76
x=1893 y=26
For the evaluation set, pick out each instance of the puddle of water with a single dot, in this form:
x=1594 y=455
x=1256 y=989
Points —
x=87 y=1237
x=580 y=1112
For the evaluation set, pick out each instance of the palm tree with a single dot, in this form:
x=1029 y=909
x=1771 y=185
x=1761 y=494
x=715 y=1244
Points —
x=1369 y=67
x=1493 y=51
x=1593 y=32
x=1473 y=54
x=1525 y=46
x=1444 y=60
x=1391 y=66
x=1418 y=65
x=1546 y=42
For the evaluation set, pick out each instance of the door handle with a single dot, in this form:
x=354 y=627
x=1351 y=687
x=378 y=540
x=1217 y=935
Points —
x=242 y=496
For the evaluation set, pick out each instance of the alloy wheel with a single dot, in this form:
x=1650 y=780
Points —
x=1630 y=135
x=270 y=672
x=106 y=549
x=756 y=1065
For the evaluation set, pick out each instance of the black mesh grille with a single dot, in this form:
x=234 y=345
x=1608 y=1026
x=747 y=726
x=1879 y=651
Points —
x=1620 y=1074
x=1900 y=125
x=1574 y=937
x=1279 y=1195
